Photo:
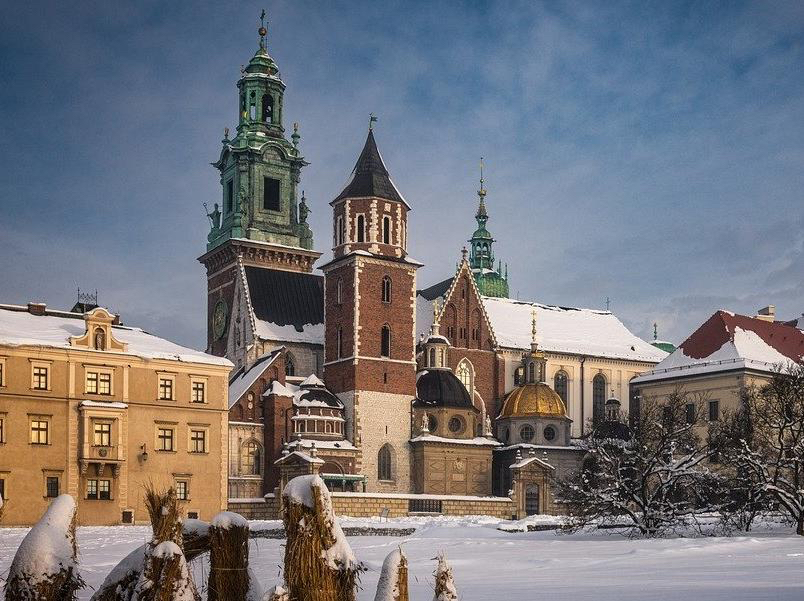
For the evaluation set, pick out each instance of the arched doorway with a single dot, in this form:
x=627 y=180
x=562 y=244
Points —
x=532 y=499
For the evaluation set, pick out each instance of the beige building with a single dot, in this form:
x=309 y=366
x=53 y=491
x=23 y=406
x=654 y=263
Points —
x=98 y=410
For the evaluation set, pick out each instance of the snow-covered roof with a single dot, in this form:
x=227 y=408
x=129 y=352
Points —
x=527 y=460
x=559 y=329
x=306 y=443
x=243 y=378
x=310 y=332
x=478 y=441
x=726 y=342
x=18 y=327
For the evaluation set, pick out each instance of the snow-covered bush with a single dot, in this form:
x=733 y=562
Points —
x=229 y=575
x=444 y=582
x=393 y=582
x=319 y=563
x=45 y=567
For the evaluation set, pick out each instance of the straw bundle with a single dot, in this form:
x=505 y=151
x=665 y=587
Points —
x=393 y=583
x=319 y=564
x=166 y=576
x=278 y=593
x=444 y=583
x=229 y=576
x=163 y=509
x=45 y=566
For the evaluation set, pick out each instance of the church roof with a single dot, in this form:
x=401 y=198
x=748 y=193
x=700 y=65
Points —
x=288 y=305
x=727 y=341
x=441 y=388
x=370 y=176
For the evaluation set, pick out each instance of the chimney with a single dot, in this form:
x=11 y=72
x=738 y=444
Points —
x=767 y=313
x=37 y=308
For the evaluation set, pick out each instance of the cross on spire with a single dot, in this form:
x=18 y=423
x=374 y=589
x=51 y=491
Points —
x=482 y=192
x=262 y=30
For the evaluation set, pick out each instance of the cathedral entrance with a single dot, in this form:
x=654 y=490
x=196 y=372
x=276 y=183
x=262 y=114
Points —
x=532 y=499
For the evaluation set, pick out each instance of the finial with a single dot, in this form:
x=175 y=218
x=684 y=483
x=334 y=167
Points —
x=533 y=326
x=655 y=331
x=295 y=135
x=482 y=192
x=608 y=303
x=372 y=120
x=464 y=252
x=262 y=30
x=225 y=134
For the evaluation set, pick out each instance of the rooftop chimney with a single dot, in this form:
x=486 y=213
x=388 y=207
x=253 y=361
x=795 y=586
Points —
x=37 y=308
x=767 y=313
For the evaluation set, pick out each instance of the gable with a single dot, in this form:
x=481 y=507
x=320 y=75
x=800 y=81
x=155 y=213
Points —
x=462 y=315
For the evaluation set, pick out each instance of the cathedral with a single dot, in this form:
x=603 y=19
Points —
x=447 y=389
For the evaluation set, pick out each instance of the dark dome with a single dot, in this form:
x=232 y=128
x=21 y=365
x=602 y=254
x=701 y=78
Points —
x=441 y=388
x=313 y=394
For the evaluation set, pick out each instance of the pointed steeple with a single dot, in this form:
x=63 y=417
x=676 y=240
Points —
x=489 y=281
x=370 y=176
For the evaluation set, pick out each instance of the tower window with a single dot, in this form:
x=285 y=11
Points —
x=340 y=230
x=339 y=292
x=252 y=109
x=270 y=194
x=385 y=341
x=386 y=229
x=386 y=289
x=339 y=348
x=361 y=228
x=228 y=205
x=267 y=108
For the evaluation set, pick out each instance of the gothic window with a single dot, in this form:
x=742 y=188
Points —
x=251 y=458
x=561 y=386
x=340 y=343
x=386 y=229
x=270 y=194
x=598 y=398
x=340 y=231
x=290 y=365
x=267 y=108
x=464 y=373
x=228 y=202
x=385 y=341
x=386 y=289
x=384 y=467
x=361 y=228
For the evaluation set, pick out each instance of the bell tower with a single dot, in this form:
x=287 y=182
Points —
x=370 y=300
x=260 y=220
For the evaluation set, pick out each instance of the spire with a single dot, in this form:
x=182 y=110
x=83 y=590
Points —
x=481 y=215
x=370 y=176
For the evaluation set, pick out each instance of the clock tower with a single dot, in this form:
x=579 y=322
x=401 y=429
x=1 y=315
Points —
x=259 y=222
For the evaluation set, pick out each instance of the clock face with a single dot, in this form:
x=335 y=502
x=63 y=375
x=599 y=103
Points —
x=219 y=319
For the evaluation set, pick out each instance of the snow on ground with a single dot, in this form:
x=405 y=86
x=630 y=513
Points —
x=490 y=564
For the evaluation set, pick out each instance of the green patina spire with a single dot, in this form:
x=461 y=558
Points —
x=490 y=281
x=260 y=168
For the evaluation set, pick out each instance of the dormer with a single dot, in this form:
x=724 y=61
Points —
x=98 y=335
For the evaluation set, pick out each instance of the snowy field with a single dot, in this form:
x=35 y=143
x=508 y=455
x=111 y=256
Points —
x=491 y=565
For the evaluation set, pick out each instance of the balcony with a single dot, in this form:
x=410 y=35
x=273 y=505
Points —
x=100 y=456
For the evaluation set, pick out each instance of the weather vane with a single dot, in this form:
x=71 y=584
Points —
x=372 y=120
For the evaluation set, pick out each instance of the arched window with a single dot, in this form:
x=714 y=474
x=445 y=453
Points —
x=432 y=359
x=531 y=372
x=267 y=108
x=384 y=460
x=385 y=341
x=386 y=229
x=290 y=365
x=251 y=458
x=340 y=231
x=465 y=375
x=598 y=398
x=252 y=110
x=361 y=228
x=339 y=348
x=561 y=386
x=386 y=289
x=100 y=339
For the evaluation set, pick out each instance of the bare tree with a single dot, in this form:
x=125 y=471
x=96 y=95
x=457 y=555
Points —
x=656 y=479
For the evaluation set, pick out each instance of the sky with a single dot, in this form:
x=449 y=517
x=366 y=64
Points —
x=651 y=153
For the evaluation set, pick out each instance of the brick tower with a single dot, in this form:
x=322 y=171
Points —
x=369 y=299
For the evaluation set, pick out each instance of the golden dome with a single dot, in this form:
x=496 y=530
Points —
x=533 y=399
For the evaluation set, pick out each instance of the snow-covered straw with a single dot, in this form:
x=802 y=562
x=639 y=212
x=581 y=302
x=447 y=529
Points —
x=444 y=582
x=393 y=582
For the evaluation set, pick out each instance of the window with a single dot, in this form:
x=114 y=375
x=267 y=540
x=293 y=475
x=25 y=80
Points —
x=99 y=489
x=386 y=289
x=338 y=291
x=340 y=230
x=52 y=486
x=598 y=398
x=385 y=341
x=455 y=425
x=164 y=439
x=339 y=348
x=2 y=428
x=431 y=358
x=228 y=201
x=384 y=463
x=198 y=441
x=561 y=386
x=2 y=372
x=714 y=411
x=531 y=373
x=3 y=489
x=267 y=108
x=386 y=229
x=690 y=411
x=199 y=392
x=290 y=366
x=270 y=194
x=251 y=458
x=432 y=423
x=39 y=431
x=103 y=434
x=182 y=490
x=526 y=433
x=99 y=383
x=252 y=109
x=40 y=377
x=549 y=433
x=92 y=382
x=360 y=225
x=165 y=388
x=464 y=373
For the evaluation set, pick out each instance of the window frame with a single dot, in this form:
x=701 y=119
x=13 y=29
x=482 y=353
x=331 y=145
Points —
x=36 y=375
x=51 y=479
x=266 y=186
x=360 y=228
x=38 y=419
x=98 y=372
x=2 y=372
x=525 y=427
x=387 y=237
x=192 y=447
x=3 y=427
x=103 y=433
x=385 y=464
x=714 y=404
x=386 y=289
x=163 y=377
x=385 y=341
x=196 y=381
x=160 y=438
x=255 y=462
x=563 y=376
x=182 y=487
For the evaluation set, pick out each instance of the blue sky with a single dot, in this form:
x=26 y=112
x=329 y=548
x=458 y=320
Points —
x=649 y=152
